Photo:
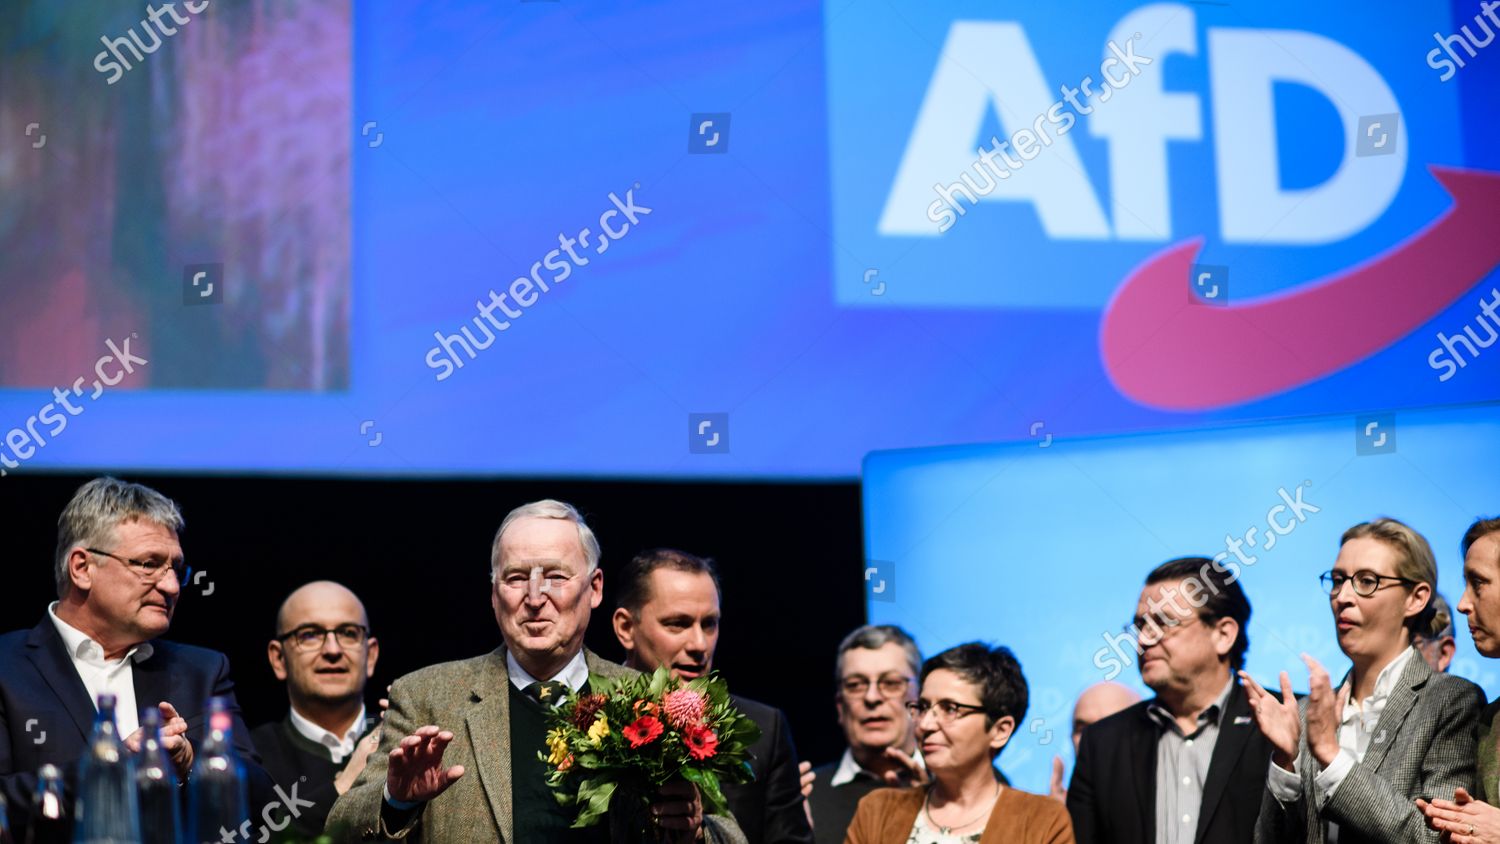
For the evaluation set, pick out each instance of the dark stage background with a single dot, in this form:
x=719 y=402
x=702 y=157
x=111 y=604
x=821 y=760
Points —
x=417 y=553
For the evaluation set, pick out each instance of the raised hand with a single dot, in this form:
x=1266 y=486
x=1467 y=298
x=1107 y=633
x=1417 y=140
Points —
x=914 y=771
x=1059 y=789
x=416 y=773
x=1276 y=718
x=807 y=777
x=1325 y=708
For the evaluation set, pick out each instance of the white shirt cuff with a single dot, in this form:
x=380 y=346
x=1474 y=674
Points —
x=1285 y=785
x=1328 y=780
x=398 y=805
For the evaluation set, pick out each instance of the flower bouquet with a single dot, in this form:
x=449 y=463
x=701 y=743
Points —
x=630 y=737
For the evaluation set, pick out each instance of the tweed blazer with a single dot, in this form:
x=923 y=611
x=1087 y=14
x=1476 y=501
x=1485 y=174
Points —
x=1423 y=746
x=470 y=698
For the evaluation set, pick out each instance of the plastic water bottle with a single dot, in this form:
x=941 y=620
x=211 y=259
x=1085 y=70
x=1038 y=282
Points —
x=106 y=811
x=216 y=790
x=156 y=785
x=49 y=817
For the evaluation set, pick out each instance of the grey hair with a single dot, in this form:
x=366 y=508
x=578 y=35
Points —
x=873 y=637
x=97 y=508
x=548 y=508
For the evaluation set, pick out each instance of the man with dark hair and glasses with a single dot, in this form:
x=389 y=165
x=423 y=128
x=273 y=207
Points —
x=325 y=654
x=1351 y=759
x=120 y=572
x=1188 y=766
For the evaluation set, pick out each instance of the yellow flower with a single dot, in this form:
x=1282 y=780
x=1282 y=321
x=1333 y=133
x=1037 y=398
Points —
x=558 y=744
x=599 y=730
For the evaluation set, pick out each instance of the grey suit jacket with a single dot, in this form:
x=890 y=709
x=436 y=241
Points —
x=1423 y=746
x=470 y=698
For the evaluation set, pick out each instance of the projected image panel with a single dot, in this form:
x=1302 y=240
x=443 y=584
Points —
x=186 y=185
x=1045 y=549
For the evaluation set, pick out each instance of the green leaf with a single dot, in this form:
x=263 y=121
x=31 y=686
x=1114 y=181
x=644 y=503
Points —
x=597 y=805
x=708 y=788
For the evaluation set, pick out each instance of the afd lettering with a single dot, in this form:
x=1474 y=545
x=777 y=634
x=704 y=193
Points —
x=985 y=62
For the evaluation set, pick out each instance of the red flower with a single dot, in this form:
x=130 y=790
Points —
x=643 y=731
x=566 y=763
x=701 y=742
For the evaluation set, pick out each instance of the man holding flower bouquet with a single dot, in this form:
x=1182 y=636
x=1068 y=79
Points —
x=668 y=616
x=464 y=749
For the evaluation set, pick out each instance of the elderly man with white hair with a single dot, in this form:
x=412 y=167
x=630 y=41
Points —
x=459 y=754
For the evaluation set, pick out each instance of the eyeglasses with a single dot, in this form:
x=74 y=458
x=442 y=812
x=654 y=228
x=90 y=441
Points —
x=310 y=637
x=1366 y=583
x=150 y=571
x=1158 y=626
x=947 y=711
x=890 y=685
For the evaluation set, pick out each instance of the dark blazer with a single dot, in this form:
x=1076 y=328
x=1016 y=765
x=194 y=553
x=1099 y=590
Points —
x=770 y=809
x=46 y=714
x=834 y=805
x=295 y=761
x=1423 y=746
x=1112 y=797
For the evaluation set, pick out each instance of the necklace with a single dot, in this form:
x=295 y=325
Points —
x=948 y=830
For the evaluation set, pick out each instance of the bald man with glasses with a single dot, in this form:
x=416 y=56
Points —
x=325 y=654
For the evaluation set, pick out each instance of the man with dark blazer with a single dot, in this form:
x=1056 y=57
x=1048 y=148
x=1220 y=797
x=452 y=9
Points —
x=1188 y=766
x=119 y=571
x=325 y=654
x=668 y=615
x=459 y=757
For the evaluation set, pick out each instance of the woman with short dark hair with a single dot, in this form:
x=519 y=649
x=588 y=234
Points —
x=972 y=698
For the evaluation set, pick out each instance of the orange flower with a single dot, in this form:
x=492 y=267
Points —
x=646 y=707
x=701 y=742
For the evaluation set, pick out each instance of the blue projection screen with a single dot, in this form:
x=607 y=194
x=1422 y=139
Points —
x=661 y=238
x=1044 y=546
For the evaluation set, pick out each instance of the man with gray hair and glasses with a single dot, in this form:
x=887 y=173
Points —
x=460 y=751
x=875 y=676
x=120 y=572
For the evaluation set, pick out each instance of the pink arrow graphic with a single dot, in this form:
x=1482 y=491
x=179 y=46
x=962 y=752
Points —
x=1163 y=350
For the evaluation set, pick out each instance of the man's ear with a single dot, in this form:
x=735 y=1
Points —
x=1229 y=632
x=371 y=656
x=624 y=628
x=78 y=570
x=596 y=588
x=277 y=657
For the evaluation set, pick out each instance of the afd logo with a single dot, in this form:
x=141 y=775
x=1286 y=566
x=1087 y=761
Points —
x=1019 y=159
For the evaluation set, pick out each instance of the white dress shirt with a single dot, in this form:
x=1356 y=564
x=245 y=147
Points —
x=339 y=747
x=1356 y=728
x=100 y=675
x=573 y=675
x=849 y=769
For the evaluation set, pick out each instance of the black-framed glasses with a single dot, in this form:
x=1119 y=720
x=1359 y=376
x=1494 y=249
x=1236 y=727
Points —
x=310 y=637
x=947 y=711
x=890 y=685
x=150 y=571
x=1366 y=583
